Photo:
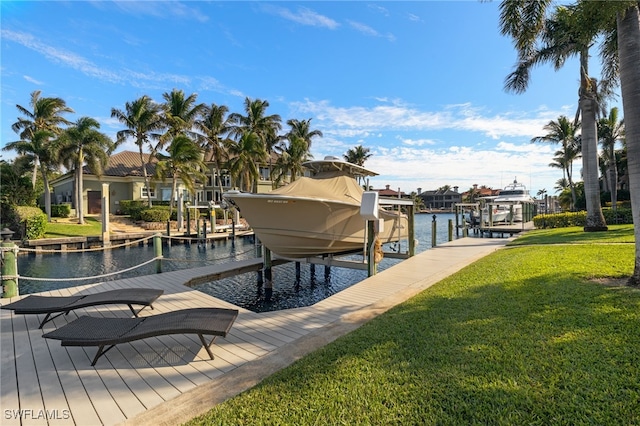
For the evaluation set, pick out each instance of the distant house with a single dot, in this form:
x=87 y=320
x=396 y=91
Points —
x=390 y=193
x=441 y=200
x=126 y=182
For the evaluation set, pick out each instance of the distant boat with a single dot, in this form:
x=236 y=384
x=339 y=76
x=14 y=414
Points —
x=317 y=215
x=507 y=205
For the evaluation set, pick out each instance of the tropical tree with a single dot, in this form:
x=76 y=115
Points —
x=357 y=155
x=566 y=33
x=184 y=162
x=142 y=120
x=17 y=189
x=41 y=148
x=256 y=121
x=180 y=113
x=214 y=126
x=628 y=38
x=610 y=131
x=562 y=131
x=45 y=114
x=290 y=159
x=244 y=157
x=302 y=129
x=80 y=144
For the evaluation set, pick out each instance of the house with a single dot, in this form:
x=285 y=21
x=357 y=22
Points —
x=441 y=199
x=126 y=182
x=390 y=193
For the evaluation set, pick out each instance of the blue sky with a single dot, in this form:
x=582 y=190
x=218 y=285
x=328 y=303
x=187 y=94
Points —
x=418 y=83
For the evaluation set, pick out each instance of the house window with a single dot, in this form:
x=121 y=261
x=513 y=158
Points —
x=143 y=192
x=264 y=173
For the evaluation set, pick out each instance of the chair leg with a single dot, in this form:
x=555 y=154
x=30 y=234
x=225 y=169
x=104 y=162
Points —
x=101 y=351
x=207 y=346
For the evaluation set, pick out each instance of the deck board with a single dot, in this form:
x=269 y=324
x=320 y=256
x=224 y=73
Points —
x=135 y=378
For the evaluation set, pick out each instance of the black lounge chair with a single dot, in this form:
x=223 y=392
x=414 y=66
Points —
x=101 y=332
x=60 y=305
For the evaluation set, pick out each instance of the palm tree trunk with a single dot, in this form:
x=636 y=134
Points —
x=79 y=176
x=588 y=108
x=34 y=176
x=47 y=192
x=595 y=219
x=628 y=25
x=147 y=184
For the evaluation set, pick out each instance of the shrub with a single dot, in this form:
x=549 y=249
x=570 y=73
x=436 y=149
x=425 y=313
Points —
x=133 y=208
x=61 y=210
x=563 y=220
x=27 y=222
x=155 y=214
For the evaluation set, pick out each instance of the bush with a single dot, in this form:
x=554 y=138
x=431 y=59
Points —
x=133 y=208
x=26 y=221
x=564 y=220
x=155 y=214
x=60 y=210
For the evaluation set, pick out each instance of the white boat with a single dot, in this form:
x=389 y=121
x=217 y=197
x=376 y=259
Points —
x=317 y=215
x=507 y=205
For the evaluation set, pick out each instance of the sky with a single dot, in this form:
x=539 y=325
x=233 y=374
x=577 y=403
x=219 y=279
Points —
x=419 y=83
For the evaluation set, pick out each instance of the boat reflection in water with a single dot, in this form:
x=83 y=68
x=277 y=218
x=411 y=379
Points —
x=316 y=215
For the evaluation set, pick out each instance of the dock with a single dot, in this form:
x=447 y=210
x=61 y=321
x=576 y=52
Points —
x=168 y=380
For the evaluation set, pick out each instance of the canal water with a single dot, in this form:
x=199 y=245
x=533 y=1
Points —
x=64 y=269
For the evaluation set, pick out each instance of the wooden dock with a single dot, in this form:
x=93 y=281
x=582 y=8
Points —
x=169 y=379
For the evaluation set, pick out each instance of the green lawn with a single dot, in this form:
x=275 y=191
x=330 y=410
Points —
x=525 y=336
x=66 y=228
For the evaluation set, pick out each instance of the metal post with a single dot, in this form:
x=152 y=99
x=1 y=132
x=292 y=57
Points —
x=259 y=254
x=433 y=231
x=157 y=252
x=268 y=281
x=9 y=265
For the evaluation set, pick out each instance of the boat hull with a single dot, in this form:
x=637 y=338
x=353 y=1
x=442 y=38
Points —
x=304 y=227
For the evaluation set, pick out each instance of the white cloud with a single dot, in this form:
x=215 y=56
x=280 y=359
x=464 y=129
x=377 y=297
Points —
x=33 y=80
x=162 y=9
x=368 y=31
x=303 y=16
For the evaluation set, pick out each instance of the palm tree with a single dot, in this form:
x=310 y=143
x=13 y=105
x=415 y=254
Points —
x=554 y=40
x=562 y=132
x=628 y=26
x=302 y=130
x=290 y=159
x=46 y=114
x=180 y=114
x=244 y=157
x=610 y=131
x=80 y=144
x=141 y=118
x=214 y=127
x=184 y=162
x=265 y=127
x=357 y=155
x=41 y=148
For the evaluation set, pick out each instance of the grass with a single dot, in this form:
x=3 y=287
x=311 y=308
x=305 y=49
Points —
x=68 y=228
x=523 y=336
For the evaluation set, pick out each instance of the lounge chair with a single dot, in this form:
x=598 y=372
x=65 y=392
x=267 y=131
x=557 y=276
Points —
x=101 y=332
x=59 y=305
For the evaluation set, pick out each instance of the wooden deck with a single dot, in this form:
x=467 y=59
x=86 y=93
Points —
x=169 y=379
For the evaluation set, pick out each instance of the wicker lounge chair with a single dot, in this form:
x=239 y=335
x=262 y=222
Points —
x=108 y=332
x=51 y=305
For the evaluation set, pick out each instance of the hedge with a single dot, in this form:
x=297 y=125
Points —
x=60 y=210
x=155 y=214
x=563 y=220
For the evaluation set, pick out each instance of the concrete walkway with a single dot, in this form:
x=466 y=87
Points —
x=170 y=379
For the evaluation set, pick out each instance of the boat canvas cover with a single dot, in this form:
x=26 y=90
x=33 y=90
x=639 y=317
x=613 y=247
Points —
x=329 y=186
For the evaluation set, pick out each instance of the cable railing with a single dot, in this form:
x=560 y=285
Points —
x=158 y=258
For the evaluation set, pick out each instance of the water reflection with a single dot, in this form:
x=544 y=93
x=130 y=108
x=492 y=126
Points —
x=292 y=286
